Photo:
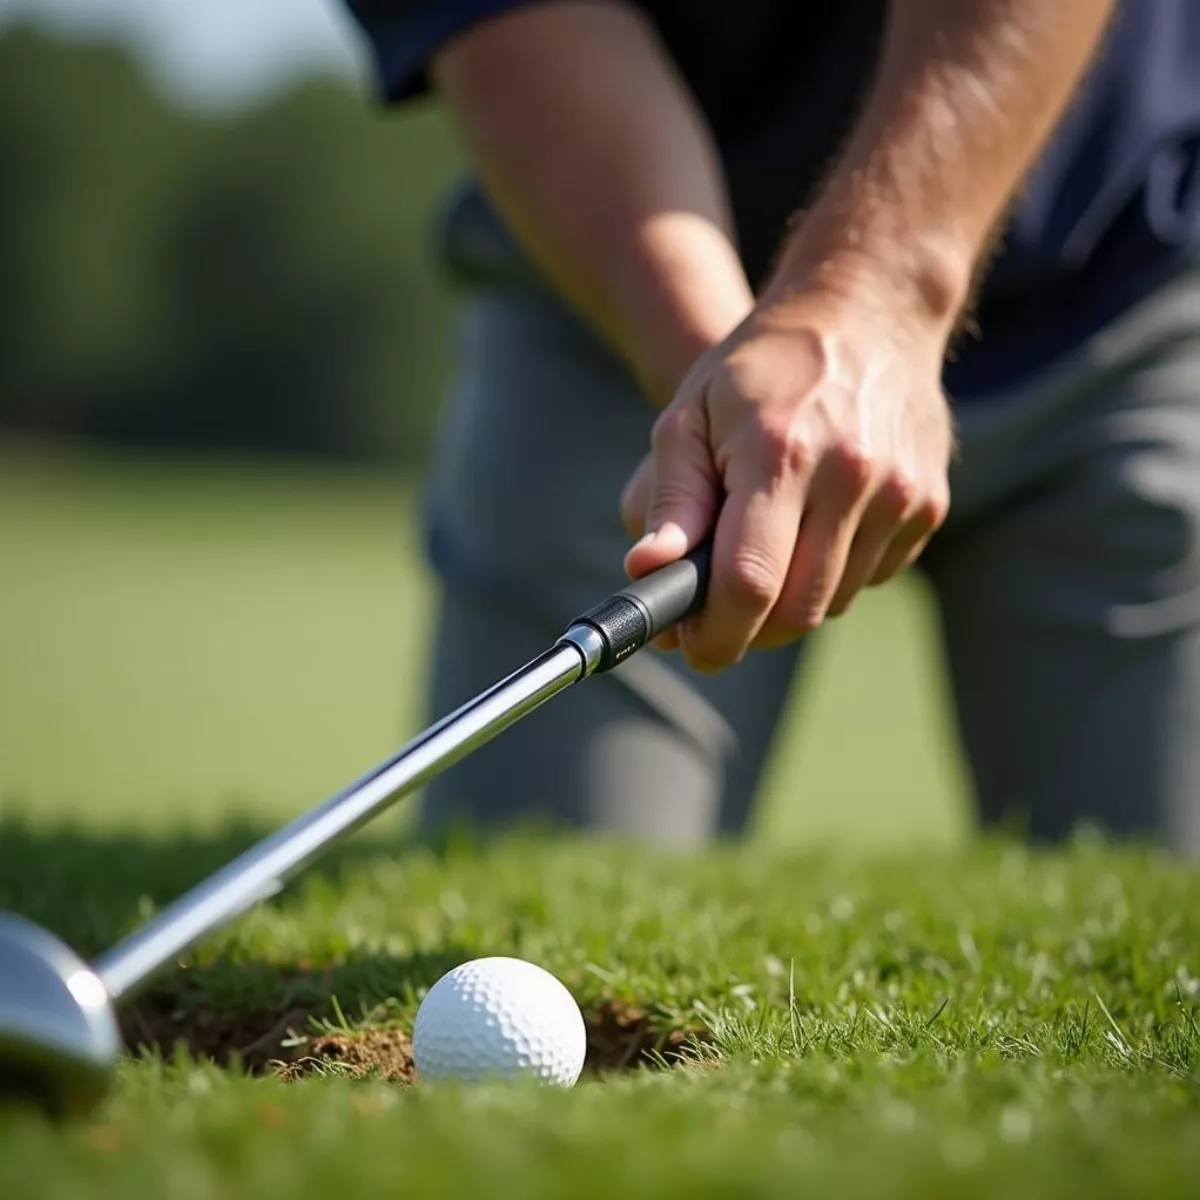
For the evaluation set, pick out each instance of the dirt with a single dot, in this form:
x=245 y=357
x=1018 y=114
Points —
x=620 y=1037
x=376 y=1053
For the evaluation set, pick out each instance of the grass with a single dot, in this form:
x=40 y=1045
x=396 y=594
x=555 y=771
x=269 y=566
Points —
x=181 y=635
x=968 y=1022
x=886 y=1008
x=242 y=638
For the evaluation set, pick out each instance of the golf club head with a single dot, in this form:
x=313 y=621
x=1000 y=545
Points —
x=59 y=1040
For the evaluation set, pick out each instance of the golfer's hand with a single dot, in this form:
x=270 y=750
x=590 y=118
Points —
x=816 y=438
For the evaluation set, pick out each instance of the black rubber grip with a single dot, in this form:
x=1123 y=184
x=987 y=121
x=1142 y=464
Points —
x=641 y=610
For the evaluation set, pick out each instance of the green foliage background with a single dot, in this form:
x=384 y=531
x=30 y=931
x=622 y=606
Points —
x=261 y=281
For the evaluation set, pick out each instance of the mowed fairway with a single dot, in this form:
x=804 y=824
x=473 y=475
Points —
x=859 y=1002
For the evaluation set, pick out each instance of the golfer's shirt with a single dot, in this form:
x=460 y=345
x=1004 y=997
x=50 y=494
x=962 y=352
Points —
x=1111 y=210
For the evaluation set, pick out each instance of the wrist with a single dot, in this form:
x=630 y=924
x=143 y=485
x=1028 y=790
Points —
x=693 y=298
x=685 y=339
x=922 y=280
x=660 y=366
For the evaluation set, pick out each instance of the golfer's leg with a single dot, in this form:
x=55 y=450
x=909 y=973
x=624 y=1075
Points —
x=1071 y=592
x=542 y=431
x=598 y=757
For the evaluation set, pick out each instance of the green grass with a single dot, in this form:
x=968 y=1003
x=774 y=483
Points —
x=212 y=638
x=244 y=638
x=970 y=1023
x=191 y=653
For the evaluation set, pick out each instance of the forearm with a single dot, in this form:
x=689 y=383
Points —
x=591 y=151
x=965 y=97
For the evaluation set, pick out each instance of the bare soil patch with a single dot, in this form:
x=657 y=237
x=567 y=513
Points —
x=288 y=1044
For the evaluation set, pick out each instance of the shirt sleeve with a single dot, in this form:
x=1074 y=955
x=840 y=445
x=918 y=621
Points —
x=404 y=35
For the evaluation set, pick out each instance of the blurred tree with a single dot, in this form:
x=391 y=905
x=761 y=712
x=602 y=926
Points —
x=255 y=282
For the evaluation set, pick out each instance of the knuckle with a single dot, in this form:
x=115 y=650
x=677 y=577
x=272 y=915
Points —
x=899 y=494
x=784 y=452
x=678 y=423
x=751 y=580
x=933 y=510
x=851 y=465
x=808 y=619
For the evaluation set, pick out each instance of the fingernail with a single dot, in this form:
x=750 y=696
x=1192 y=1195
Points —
x=671 y=536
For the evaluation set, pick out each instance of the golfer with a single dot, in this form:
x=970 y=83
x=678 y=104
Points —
x=863 y=286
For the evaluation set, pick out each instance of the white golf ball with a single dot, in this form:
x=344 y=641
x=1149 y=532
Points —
x=499 y=1018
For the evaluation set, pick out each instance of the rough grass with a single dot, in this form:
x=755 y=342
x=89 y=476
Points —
x=985 y=1021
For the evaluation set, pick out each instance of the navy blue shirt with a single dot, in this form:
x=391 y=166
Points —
x=1111 y=209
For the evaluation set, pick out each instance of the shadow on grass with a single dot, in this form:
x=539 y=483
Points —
x=90 y=888
x=289 y=1017
x=348 y=1019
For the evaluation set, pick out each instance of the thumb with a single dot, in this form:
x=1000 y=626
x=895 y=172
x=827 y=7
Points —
x=682 y=502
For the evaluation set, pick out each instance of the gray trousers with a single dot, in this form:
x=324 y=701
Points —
x=1067 y=582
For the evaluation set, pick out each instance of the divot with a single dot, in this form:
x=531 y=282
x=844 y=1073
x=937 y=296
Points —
x=294 y=1044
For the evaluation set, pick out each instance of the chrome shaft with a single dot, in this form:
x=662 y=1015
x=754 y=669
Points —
x=260 y=872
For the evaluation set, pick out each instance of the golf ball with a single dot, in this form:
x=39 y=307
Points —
x=499 y=1018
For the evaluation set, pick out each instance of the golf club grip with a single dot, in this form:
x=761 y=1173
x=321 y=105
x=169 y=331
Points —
x=640 y=611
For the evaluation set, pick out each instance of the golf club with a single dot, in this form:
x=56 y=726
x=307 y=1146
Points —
x=59 y=1040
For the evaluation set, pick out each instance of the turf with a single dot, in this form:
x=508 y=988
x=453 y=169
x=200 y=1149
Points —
x=980 y=1021
x=242 y=637
x=184 y=635
x=858 y=1001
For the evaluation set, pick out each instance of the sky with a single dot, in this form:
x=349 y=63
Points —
x=212 y=53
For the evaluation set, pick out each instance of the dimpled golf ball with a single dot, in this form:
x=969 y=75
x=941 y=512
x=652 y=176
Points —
x=499 y=1018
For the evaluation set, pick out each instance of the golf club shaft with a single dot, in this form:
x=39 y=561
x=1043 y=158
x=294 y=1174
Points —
x=596 y=642
x=261 y=871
